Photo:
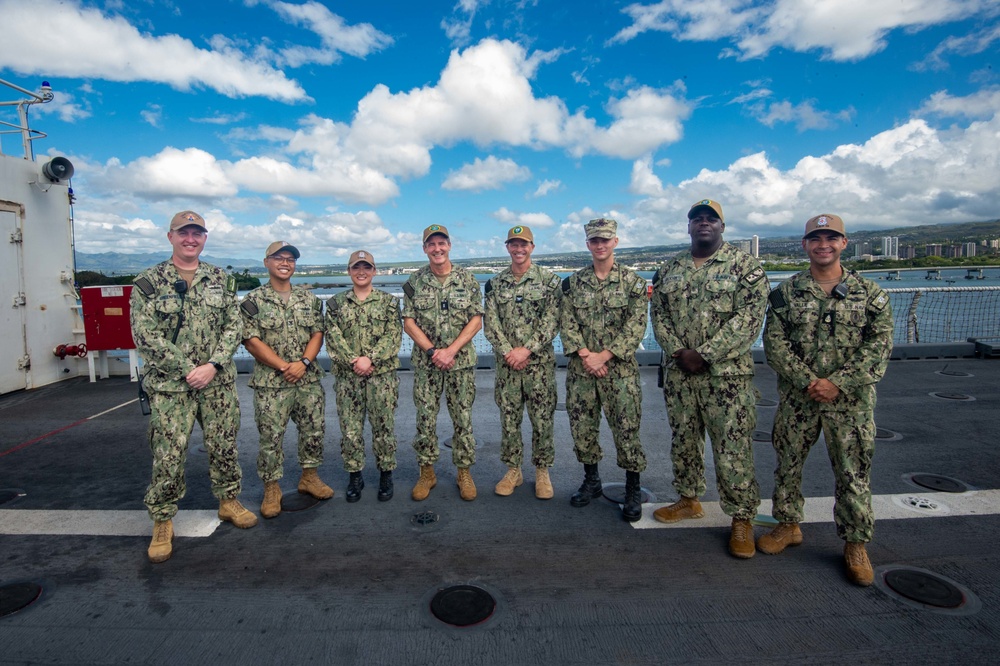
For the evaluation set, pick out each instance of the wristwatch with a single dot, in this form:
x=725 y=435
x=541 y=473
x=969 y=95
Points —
x=305 y=361
x=218 y=366
x=430 y=352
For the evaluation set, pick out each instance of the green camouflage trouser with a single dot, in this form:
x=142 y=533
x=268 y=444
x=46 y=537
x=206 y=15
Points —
x=536 y=387
x=217 y=409
x=305 y=404
x=377 y=396
x=620 y=394
x=726 y=408
x=850 y=442
x=459 y=387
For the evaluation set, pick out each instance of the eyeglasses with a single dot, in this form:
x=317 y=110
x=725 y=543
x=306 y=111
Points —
x=283 y=260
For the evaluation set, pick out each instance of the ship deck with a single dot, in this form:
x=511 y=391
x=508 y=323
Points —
x=353 y=583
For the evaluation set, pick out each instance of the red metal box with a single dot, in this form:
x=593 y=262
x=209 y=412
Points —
x=106 y=317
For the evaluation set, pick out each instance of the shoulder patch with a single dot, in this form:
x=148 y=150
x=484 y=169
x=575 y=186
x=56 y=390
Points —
x=145 y=286
x=565 y=285
x=489 y=287
x=231 y=284
x=640 y=286
x=776 y=299
x=408 y=289
x=554 y=282
x=879 y=300
x=657 y=277
x=249 y=307
x=754 y=276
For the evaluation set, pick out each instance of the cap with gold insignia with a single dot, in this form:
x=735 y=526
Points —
x=436 y=229
x=825 y=222
x=522 y=233
x=361 y=256
x=187 y=218
x=602 y=227
x=714 y=206
x=281 y=246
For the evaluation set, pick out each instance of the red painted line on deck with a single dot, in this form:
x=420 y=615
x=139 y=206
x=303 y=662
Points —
x=40 y=438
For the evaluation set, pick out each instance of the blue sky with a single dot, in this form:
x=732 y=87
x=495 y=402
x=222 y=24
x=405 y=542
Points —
x=345 y=125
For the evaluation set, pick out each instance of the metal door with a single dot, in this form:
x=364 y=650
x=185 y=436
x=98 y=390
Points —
x=13 y=346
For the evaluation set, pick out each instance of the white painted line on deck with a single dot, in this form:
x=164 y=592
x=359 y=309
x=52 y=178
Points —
x=901 y=506
x=102 y=523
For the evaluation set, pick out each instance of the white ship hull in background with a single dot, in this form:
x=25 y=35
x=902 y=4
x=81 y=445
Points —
x=39 y=310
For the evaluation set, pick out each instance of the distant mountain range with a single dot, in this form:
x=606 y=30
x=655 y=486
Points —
x=111 y=263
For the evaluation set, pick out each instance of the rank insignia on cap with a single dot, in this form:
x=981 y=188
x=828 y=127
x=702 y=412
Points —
x=362 y=255
x=517 y=230
x=822 y=221
x=704 y=202
x=434 y=227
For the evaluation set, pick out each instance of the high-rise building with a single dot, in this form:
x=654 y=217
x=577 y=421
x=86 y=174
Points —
x=908 y=252
x=933 y=250
x=744 y=245
x=969 y=249
x=861 y=249
x=890 y=247
x=755 y=246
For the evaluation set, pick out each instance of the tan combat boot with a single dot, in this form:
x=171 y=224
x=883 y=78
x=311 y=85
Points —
x=512 y=479
x=466 y=487
x=311 y=484
x=859 y=567
x=686 y=507
x=231 y=510
x=161 y=547
x=741 y=540
x=271 y=506
x=782 y=536
x=426 y=481
x=543 y=485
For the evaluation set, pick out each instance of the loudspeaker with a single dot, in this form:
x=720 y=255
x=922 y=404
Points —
x=58 y=169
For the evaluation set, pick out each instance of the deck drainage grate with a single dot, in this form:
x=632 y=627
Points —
x=293 y=502
x=18 y=596
x=924 y=588
x=463 y=605
x=886 y=434
x=939 y=483
x=766 y=402
x=9 y=495
x=953 y=373
x=761 y=436
x=951 y=396
x=424 y=518
x=615 y=493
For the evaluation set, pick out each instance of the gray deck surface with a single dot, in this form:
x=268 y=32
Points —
x=350 y=583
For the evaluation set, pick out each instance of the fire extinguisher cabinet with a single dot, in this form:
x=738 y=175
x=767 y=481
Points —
x=107 y=327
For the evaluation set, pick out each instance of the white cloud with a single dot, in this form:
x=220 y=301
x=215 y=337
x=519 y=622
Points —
x=65 y=106
x=92 y=44
x=545 y=187
x=221 y=118
x=534 y=220
x=458 y=27
x=981 y=104
x=965 y=45
x=488 y=174
x=152 y=114
x=842 y=29
x=911 y=174
x=803 y=115
x=337 y=37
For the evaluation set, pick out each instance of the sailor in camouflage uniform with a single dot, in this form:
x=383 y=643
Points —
x=363 y=334
x=708 y=309
x=186 y=326
x=442 y=312
x=602 y=323
x=283 y=331
x=828 y=337
x=521 y=320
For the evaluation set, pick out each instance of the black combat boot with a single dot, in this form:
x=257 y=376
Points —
x=589 y=489
x=385 y=486
x=632 y=508
x=354 y=487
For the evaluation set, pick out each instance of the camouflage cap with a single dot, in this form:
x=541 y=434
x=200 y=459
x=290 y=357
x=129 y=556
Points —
x=825 y=222
x=519 y=232
x=187 y=218
x=714 y=206
x=602 y=227
x=281 y=246
x=436 y=229
x=359 y=256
